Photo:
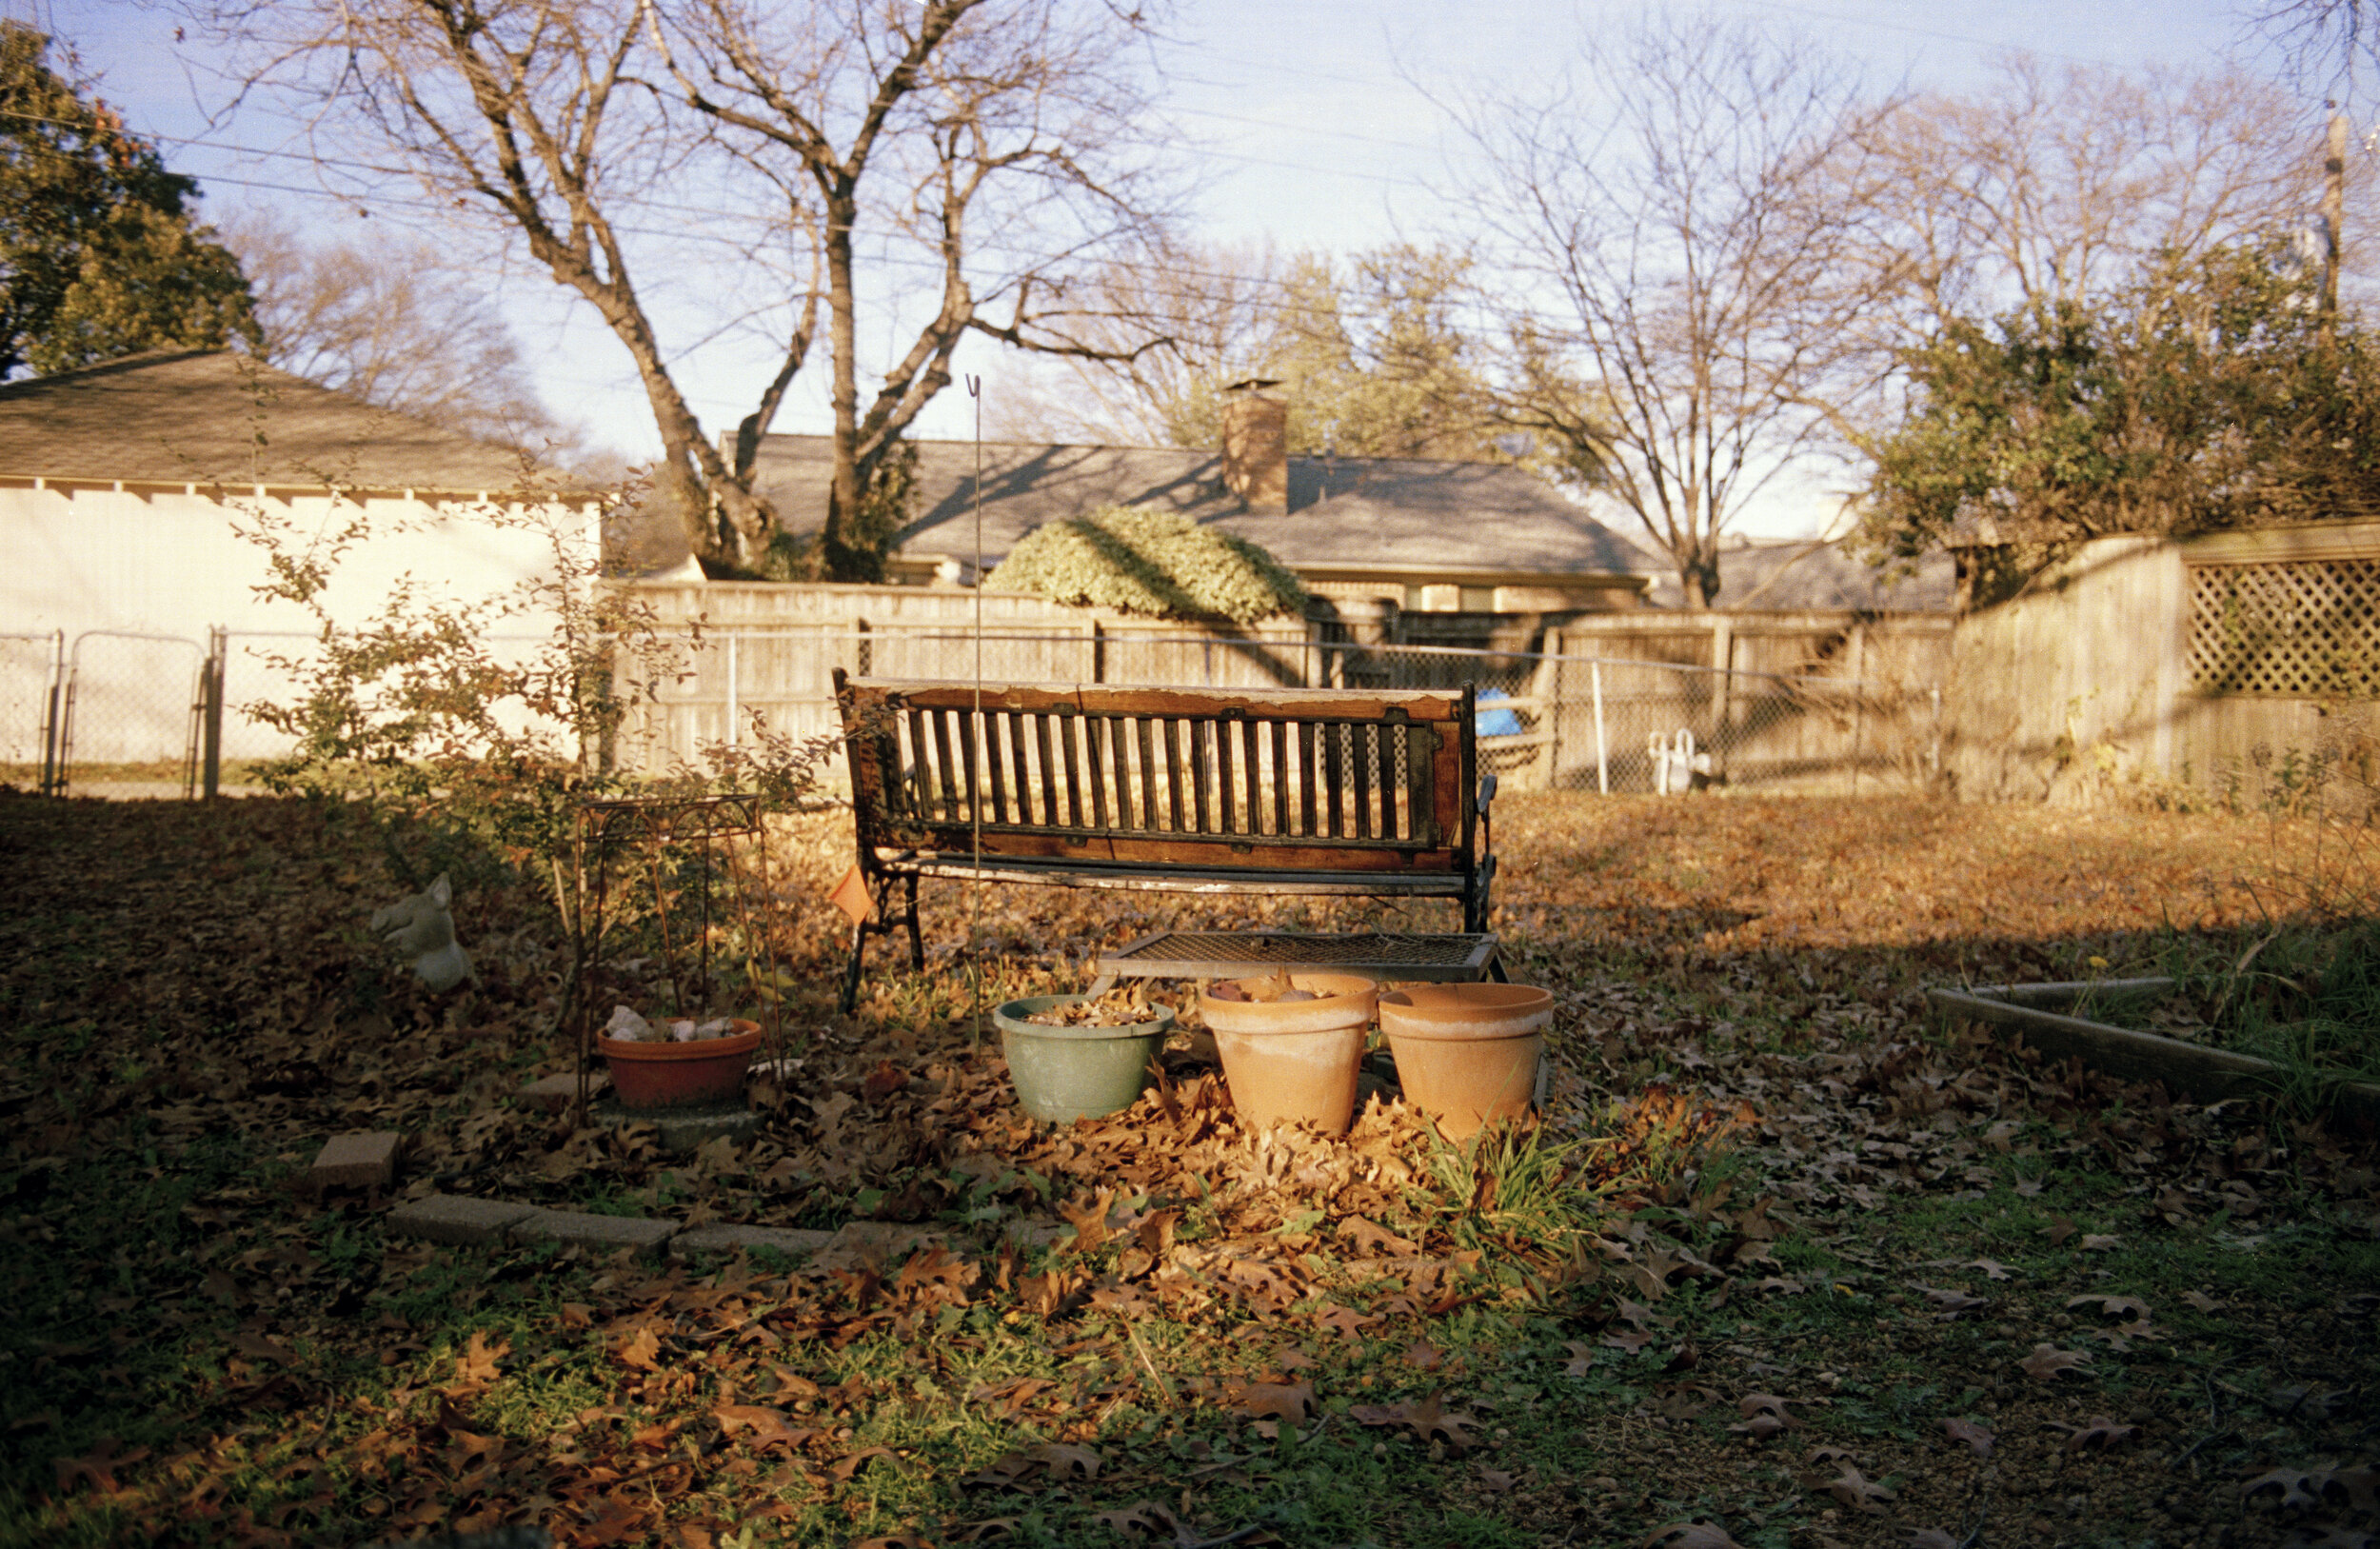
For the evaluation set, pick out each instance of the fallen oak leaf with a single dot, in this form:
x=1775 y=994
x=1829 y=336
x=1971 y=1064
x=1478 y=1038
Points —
x=1292 y=1402
x=1856 y=1491
x=2111 y=1306
x=2059 y=1230
x=1140 y=1517
x=1751 y=1405
x=1978 y=1440
x=1760 y=1427
x=478 y=1363
x=639 y=1350
x=1066 y=1460
x=844 y=1467
x=2099 y=1431
x=1952 y=1300
x=98 y=1466
x=1991 y=1268
x=1930 y=1537
x=261 y=1348
x=1581 y=1358
x=768 y=1426
x=2099 y=1241
x=2046 y=1362
x=1345 y=1320
x=1423 y=1355
x=1364 y=1233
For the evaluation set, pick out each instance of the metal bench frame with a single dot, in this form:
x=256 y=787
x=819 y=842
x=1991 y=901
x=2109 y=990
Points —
x=1300 y=792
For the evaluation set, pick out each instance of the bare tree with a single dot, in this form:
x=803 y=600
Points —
x=362 y=317
x=2064 y=184
x=997 y=143
x=1218 y=307
x=2327 y=42
x=1674 y=299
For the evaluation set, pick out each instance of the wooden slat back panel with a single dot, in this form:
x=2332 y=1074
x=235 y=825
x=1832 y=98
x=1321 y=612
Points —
x=1189 y=776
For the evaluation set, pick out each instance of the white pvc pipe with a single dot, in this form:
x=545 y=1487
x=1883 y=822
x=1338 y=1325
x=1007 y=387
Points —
x=1602 y=757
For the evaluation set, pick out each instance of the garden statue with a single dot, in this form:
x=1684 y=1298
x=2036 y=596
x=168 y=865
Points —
x=422 y=925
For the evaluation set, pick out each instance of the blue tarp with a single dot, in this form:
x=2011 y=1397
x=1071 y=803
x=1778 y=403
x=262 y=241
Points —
x=1494 y=723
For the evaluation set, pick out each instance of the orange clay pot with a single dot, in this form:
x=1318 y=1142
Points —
x=1294 y=1062
x=1467 y=1054
x=673 y=1075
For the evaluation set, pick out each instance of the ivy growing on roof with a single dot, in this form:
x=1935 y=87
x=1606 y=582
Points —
x=1156 y=562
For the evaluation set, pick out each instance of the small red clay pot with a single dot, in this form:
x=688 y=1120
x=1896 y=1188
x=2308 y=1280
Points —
x=673 y=1075
x=1294 y=1061
x=1467 y=1054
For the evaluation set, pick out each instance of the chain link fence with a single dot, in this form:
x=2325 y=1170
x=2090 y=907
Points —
x=132 y=711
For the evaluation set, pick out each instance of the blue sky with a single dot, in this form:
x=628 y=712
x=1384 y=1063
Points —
x=1312 y=135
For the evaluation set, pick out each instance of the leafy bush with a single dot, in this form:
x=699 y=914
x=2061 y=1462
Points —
x=1155 y=563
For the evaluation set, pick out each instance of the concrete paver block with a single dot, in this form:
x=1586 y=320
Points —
x=873 y=1241
x=792 y=1242
x=553 y=1094
x=455 y=1218
x=603 y=1234
x=682 y=1131
x=366 y=1158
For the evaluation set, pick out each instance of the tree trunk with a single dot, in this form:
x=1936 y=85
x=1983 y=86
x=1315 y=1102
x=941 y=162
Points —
x=828 y=556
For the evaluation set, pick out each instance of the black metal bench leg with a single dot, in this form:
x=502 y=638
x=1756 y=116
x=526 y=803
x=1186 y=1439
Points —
x=851 y=969
x=917 y=939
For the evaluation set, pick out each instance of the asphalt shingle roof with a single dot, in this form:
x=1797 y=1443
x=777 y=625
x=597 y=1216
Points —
x=211 y=416
x=1393 y=512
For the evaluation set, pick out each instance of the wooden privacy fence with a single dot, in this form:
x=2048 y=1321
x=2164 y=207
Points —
x=1857 y=709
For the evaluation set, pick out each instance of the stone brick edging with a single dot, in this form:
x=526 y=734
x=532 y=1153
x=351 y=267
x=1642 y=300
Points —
x=464 y=1222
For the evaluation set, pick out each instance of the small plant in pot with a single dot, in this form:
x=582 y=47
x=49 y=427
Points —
x=1079 y=1056
x=1292 y=1044
x=682 y=1063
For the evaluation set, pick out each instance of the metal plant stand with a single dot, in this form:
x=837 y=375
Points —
x=673 y=876
x=1241 y=954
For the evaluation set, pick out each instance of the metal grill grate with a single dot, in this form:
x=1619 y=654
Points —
x=1208 y=954
x=2303 y=629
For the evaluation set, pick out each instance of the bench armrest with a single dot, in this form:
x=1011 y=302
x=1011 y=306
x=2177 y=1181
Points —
x=1487 y=793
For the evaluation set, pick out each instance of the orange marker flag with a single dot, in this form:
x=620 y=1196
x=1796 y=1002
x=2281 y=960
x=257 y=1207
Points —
x=852 y=896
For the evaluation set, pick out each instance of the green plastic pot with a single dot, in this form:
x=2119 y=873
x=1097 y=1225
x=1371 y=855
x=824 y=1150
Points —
x=1064 y=1074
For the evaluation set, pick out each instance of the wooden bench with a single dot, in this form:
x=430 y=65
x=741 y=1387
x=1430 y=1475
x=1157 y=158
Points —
x=1314 y=792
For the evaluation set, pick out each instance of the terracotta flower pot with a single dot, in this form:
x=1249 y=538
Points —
x=1294 y=1061
x=1467 y=1054
x=673 y=1075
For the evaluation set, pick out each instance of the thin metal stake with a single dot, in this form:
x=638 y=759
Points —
x=974 y=794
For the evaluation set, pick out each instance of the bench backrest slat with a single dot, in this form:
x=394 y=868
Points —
x=1118 y=775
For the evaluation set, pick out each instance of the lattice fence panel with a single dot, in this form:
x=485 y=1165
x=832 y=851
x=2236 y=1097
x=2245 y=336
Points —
x=2303 y=629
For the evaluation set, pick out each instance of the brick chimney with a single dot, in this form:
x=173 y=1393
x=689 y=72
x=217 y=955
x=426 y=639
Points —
x=1256 y=446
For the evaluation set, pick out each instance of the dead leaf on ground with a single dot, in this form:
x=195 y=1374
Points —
x=2048 y=1361
x=1581 y=1358
x=1292 y=1402
x=1423 y=1355
x=2110 y=1307
x=1140 y=1517
x=1930 y=1537
x=1856 y=1490
x=2099 y=1431
x=1974 y=1436
x=639 y=1350
x=1991 y=1268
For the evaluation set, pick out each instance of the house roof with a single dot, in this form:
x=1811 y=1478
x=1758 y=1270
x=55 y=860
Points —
x=216 y=417
x=1393 y=513
x=1789 y=574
